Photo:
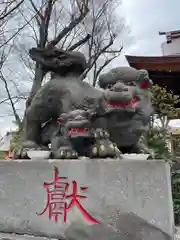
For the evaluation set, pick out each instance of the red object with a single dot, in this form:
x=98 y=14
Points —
x=8 y=156
x=145 y=84
x=123 y=104
x=155 y=63
x=77 y=130
x=57 y=204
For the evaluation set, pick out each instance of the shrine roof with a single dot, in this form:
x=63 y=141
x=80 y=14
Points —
x=155 y=63
x=170 y=32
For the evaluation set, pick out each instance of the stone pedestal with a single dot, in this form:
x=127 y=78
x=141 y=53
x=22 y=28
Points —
x=131 y=199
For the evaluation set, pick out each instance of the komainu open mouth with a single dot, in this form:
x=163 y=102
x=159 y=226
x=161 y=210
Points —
x=79 y=132
x=123 y=104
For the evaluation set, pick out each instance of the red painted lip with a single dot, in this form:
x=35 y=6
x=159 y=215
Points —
x=125 y=104
x=78 y=130
x=145 y=84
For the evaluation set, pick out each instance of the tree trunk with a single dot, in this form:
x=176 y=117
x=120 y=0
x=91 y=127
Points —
x=39 y=74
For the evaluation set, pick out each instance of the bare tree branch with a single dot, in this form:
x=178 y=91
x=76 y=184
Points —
x=43 y=29
x=38 y=13
x=86 y=21
x=17 y=32
x=83 y=12
x=97 y=72
x=96 y=56
x=5 y=13
x=17 y=118
x=13 y=97
x=80 y=42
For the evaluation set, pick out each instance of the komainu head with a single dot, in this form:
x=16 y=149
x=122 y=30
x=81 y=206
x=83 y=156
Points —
x=59 y=61
x=127 y=92
x=126 y=87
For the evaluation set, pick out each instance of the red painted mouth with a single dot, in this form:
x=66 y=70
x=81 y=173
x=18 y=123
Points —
x=145 y=84
x=82 y=131
x=124 y=104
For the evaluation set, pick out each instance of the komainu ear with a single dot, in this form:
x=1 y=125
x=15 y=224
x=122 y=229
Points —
x=57 y=60
x=50 y=59
x=142 y=74
x=105 y=79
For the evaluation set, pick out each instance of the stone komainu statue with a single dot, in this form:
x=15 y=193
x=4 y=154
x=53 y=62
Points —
x=91 y=122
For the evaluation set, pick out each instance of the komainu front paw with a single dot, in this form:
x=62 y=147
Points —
x=100 y=134
x=65 y=152
x=23 y=153
x=104 y=149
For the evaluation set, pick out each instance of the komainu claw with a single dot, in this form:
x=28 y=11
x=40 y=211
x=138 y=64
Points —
x=74 y=154
x=101 y=134
x=62 y=154
x=105 y=148
x=111 y=146
x=83 y=158
x=102 y=148
x=106 y=134
x=95 y=150
x=66 y=153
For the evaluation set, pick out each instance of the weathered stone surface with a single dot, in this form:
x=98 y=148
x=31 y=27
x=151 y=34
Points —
x=66 y=94
x=131 y=199
x=7 y=236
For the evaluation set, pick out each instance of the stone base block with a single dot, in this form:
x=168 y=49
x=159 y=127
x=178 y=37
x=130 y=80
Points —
x=131 y=200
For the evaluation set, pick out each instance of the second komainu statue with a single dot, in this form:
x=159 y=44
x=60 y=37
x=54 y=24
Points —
x=80 y=120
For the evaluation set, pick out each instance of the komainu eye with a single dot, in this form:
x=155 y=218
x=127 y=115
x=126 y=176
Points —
x=131 y=84
x=109 y=86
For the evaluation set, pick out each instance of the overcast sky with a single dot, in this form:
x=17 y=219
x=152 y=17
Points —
x=145 y=18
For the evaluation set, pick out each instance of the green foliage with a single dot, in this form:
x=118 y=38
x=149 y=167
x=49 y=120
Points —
x=15 y=142
x=2 y=154
x=176 y=195
x=156 y=140
x=165 y=106
x=165 y=102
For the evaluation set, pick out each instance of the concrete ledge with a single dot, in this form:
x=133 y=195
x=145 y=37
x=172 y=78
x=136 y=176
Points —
x=127 y=197
x=7 y=236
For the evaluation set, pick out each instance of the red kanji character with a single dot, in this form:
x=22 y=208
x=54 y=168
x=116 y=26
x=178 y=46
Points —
x=56 y=196
x=75 y=197
x=56 y=203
